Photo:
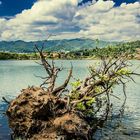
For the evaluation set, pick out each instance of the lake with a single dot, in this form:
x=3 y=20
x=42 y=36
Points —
x=16 y=75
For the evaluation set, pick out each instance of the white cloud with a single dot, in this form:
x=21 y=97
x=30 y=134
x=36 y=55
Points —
x=44 y=17
x=103 y=21
x=99 y=20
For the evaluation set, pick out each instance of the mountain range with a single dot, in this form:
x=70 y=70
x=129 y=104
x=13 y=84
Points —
x=52 y=45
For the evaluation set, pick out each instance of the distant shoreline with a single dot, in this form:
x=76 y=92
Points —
x=29 y=56
x=59 y=59
x=132 y=49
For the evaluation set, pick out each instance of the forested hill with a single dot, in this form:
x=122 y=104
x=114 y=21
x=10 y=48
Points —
x=52 y=45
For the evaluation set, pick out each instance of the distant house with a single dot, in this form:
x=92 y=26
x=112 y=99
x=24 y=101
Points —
x=55 y=55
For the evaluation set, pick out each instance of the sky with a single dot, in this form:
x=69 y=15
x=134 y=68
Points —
x=30 y=20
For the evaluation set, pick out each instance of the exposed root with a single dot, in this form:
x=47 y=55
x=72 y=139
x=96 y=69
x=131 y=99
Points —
x=31 y=115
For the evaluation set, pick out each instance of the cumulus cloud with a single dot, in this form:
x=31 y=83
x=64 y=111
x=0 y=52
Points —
x=45 y=17
x=65 y=19
x=104 y=21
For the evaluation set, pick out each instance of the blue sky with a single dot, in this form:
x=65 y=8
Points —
x=117 y=20
x=117 y=2
x=12 y=7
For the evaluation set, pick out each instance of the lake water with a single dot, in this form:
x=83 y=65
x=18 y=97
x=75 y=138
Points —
x=16 y=75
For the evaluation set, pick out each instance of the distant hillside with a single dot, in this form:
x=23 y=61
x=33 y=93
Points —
x=78 y=51
x=52 y=45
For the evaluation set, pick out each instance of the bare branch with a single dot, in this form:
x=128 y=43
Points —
x=64 y=85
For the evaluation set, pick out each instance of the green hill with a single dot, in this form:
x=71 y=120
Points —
x=52 y=45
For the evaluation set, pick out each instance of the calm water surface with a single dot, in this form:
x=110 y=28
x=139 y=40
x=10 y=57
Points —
x=16 y=75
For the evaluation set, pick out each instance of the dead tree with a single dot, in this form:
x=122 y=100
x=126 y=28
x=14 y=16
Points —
x=100 y=83
x=52 y=73
x=77 y=114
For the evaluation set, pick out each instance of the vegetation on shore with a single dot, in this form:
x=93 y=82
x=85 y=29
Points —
x=18 y=56
x=56 y=112
x=132 y=48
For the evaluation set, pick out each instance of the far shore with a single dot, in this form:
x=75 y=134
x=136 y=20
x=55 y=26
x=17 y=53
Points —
x=60 y=59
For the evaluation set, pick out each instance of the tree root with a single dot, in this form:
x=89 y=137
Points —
x=31 y=116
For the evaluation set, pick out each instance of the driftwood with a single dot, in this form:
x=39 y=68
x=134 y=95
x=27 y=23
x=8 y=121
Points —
x=47 y=112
